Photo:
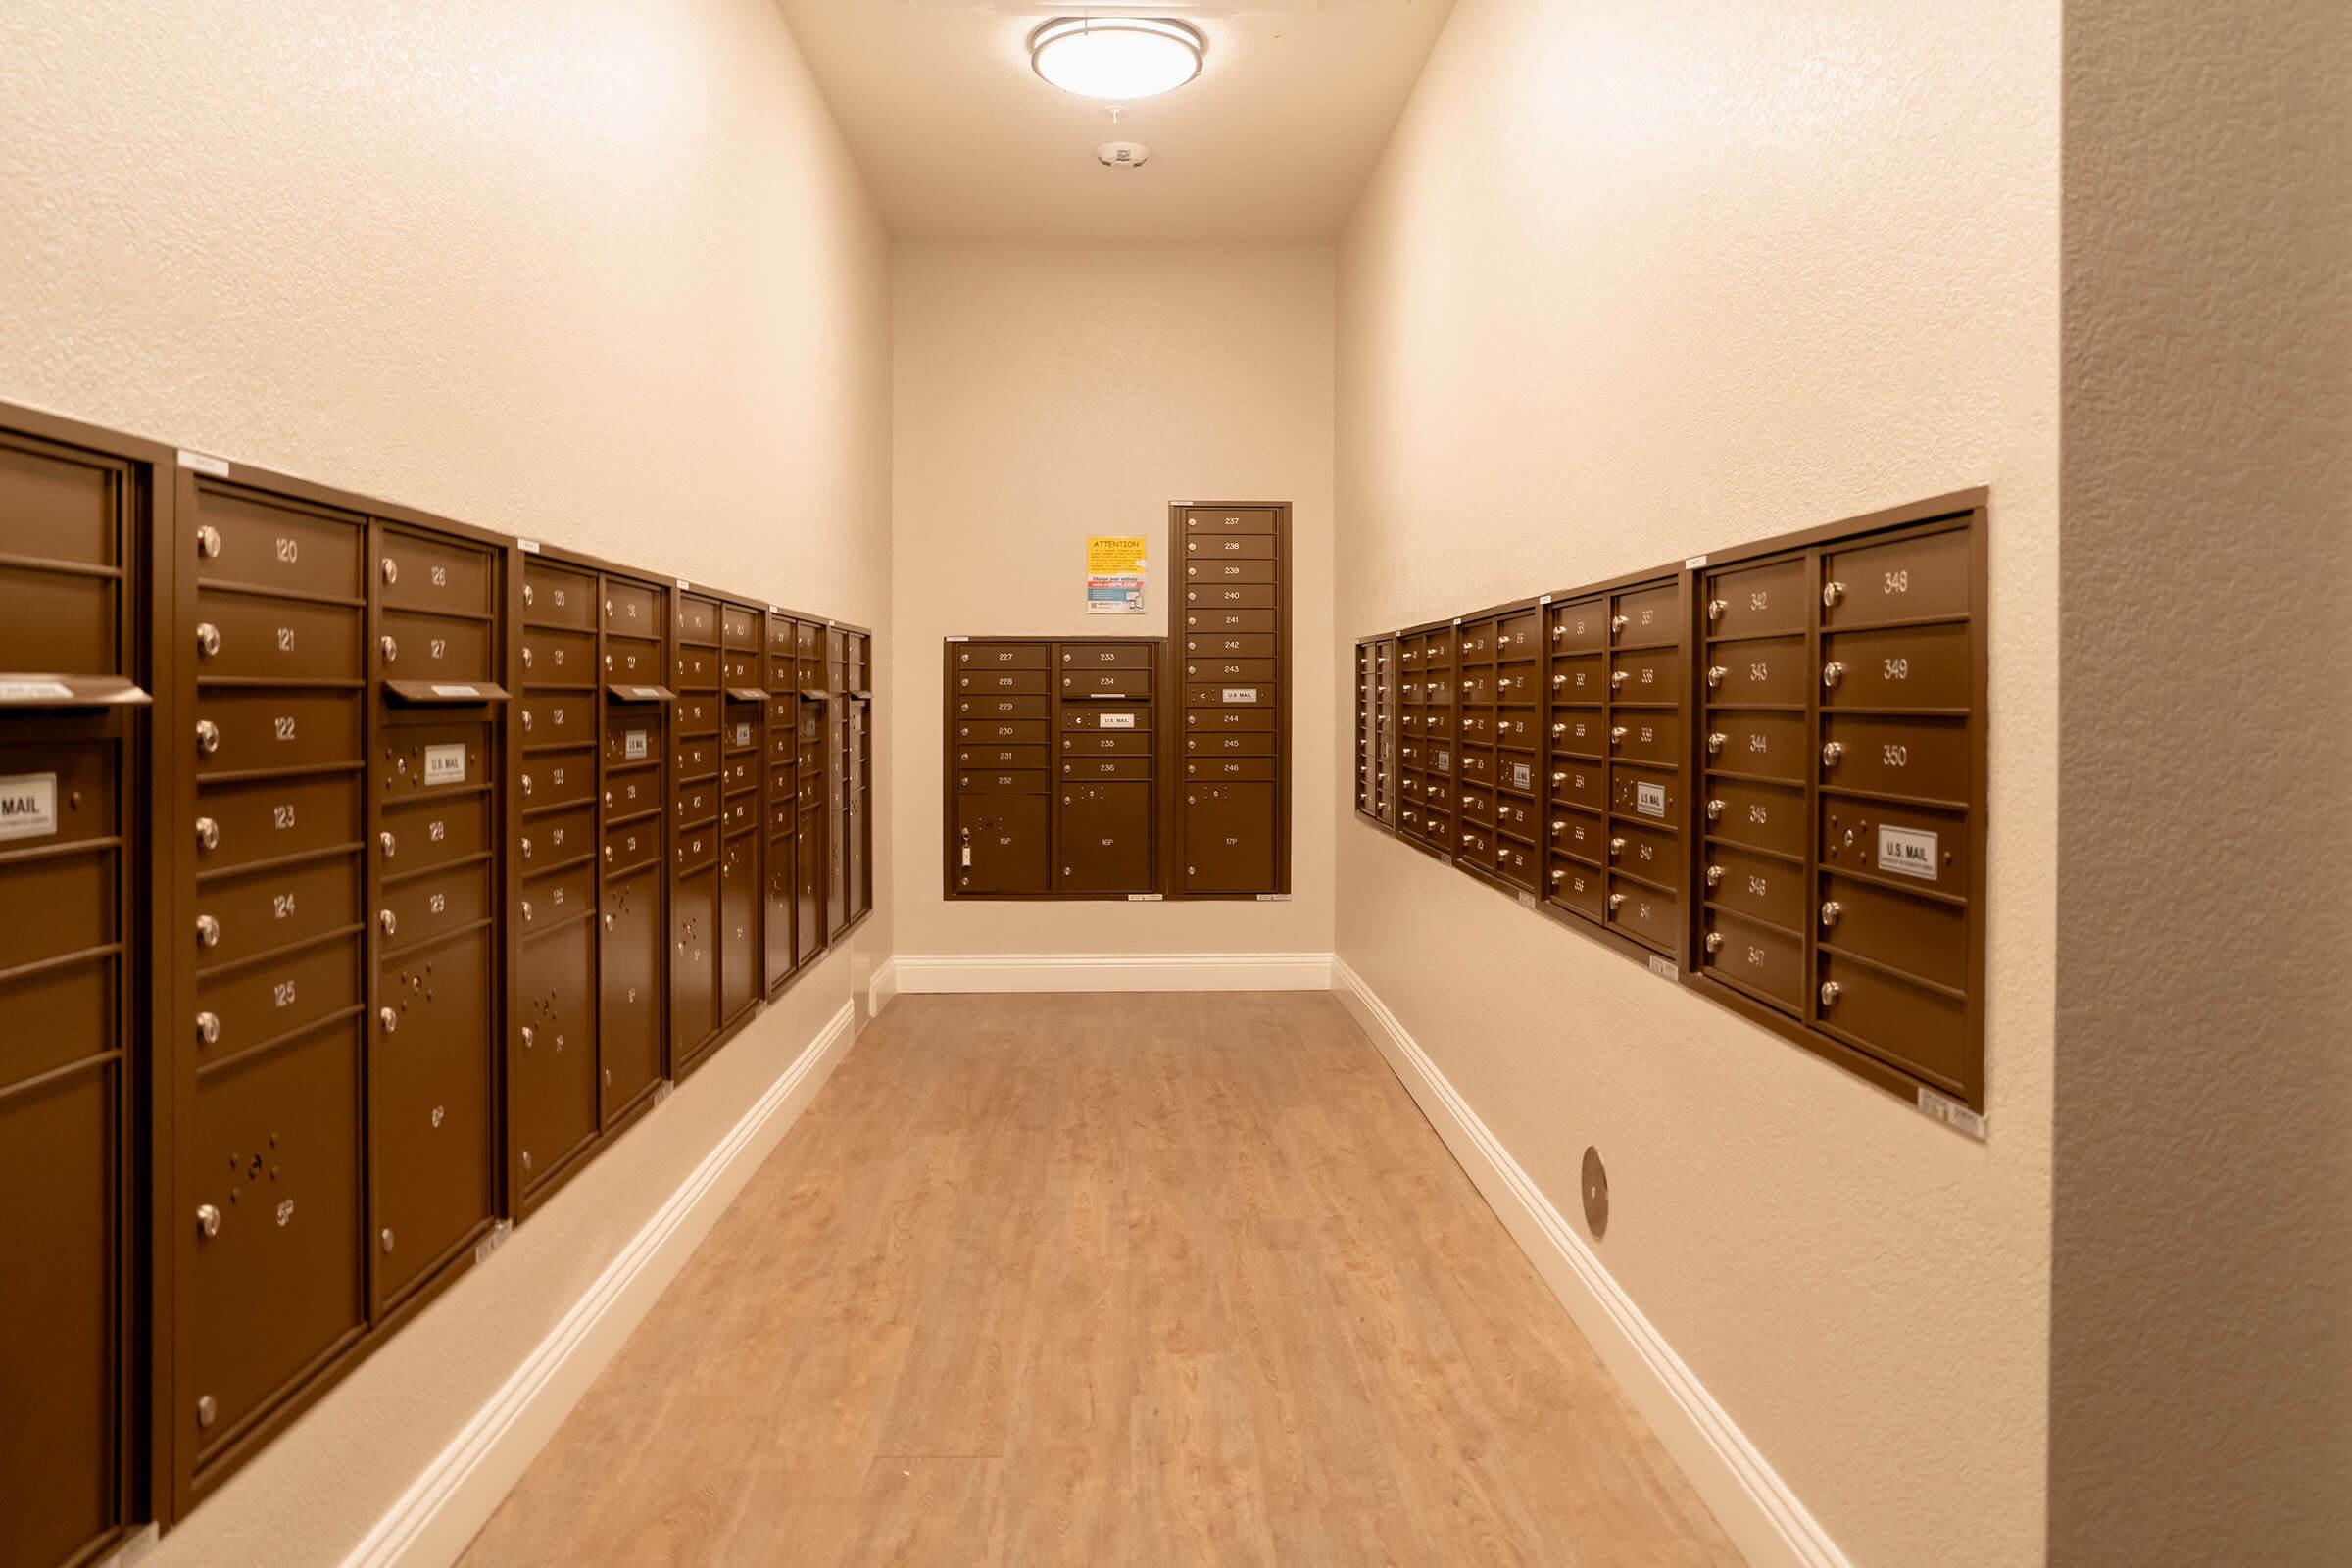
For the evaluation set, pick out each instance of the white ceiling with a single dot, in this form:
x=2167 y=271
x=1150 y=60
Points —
x=960 y=139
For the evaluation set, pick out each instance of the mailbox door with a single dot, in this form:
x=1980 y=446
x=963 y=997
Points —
x=1105 y=838
x=694 y=959
x=429 y=1108
x=1228 y=837
x=739 y=923
x=555 y=1073
x=630 y=1021
x=1002 y=847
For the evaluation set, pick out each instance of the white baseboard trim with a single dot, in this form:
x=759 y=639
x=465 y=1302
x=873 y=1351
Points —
x=883 y=985
x=1755 y=1507
x=1112 y=971
x=445 y=1507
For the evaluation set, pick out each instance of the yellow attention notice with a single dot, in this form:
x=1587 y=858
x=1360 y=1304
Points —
x=1107 y=555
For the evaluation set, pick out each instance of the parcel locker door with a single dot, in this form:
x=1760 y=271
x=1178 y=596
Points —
x=1228 y=838
x=554 y=1085
x=738 y=923
x=1105 y=838
x=429 y=1109
x=630 y=1015
x=694 y=960
x=780 y=872
x=809 y=909
x=1002 y=844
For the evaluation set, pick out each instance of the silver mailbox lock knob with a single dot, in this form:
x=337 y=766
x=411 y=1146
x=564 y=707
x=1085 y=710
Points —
x=1618 y=623
x=1714 y=875
x=526 y=718
x=1831 y=671
x=208 y=931
x=207 y=736
x=208 y=833
x=208 y=541
x=391 y=648
x=1559 y=876
x=527 y=595
x=1556 y=826
x=387 y=843
x=1715 y=675
x=1830 y=593
x=1615 y=899
x=391 y=574
x=389 y=1019
x=1616 y=847
x=387 y=1229
x=1829 y=912
x=1714 y=940
x=208 y=1028
x=208 y=1220
x=208 y=639
x=1830 y=752
x=527 y=1037
x=1715 y=742
x=207 y=1409
x=1616 y=734
x=1716 y=608
x=1714 y=809
x=527 y=909
x=390 y=922
x=526 y=657
x=1829 y=995
x=1619 y=678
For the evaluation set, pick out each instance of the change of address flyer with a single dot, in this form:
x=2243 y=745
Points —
x=1115 y=574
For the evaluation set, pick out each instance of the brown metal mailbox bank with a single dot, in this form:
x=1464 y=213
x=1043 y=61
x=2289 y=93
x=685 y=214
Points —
x=1232 y=812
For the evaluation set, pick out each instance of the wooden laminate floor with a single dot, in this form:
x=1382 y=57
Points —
x=1106 y=1280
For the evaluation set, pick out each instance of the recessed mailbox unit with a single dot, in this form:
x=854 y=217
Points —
x=1376 y=730
x=850 y=654
x=1809 y=850
x=79 y=515
x=1233 y=807
x=1055 y=767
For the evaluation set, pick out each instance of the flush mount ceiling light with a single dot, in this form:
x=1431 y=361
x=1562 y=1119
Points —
x=1115 y=57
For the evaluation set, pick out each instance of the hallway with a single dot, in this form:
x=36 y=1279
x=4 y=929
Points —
x=1110 y=1280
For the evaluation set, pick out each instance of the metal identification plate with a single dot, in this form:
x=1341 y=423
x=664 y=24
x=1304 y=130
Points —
x=1907 y=852
x=445 y=764
x=27 y=805
x=1650 y=800
x=1241 y=693
x=633 y=745
x=1114 y=722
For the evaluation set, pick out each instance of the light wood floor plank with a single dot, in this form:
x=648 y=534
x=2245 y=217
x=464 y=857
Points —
x=1106 y=1280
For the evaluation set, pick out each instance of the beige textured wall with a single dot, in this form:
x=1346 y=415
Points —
x=594 y=270
x=1633 y=282
x=2201 y=1340
x=1050 y=391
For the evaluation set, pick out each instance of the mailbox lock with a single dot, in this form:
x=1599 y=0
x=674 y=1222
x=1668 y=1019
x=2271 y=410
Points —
x=526 y=1037
x=526 y=1159
x=526 y=908
x=526 y=659
x=208 y=1220
x=390 y=922
x=526 y=783
x=1830 y=593
x=1616 y=847
x=208 y=639
x=207 y=736
x=526 y=718
x=387 y=1229
x=391 y=649
x=206 y=1409
x=208 y=541
x=1618 y=678
x=1715 y=673
x=1617 y=734
x=389 y=1019
x=1715 y=742
x=1829 y=912
x=387 y=843
x=1618 y=623
x=1714 y=809
x=1615 y=899
x=208 y=1027
x=1716 y=608
x=208 y=931
x=1559 y=876
x=1829 y=995
x=1831 y=671
x=208 y=833
x=1714 y=875
x=1556 y=826
x=1714 y=940
x=391 y=574
x=527 y=595
x=1830 y=752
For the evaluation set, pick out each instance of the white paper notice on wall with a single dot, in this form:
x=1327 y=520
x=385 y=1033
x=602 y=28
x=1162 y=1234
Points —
x=1115 y=720
x=27 y=805
x=632 y=746
x=1907 y=852
x=445 y=764
x=1241 y=693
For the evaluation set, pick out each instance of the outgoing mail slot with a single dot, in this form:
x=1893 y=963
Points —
x=629 y=986
x=552 y=897
x=1922 y=758
x=698 y=668
x=429 y=832
x=1238 y=547
x=633 y=734
x=1130 y=684
x=695 y=756
x=260 y=911
x=1577 y=783
x=1580 y=732
x=695 y=848
x=980 y=682
x=1904 y=579
x=556 y=838
x=1904 y=843
x=429 y=1109
x=1020 y=730
x=425 y=908
x=1763 y=816
x=1899 y=667
x=996 y=757
x=1770 y=889
x=999 y=781
x=1200 y=520
x=1763 y=959
x=1578 y=887
x=1645 y=793
x=1244 y=645
x=1645 y=615
x=271 y=1143
x=558 y=657
x=1775 y=671
x=255 y=732
x=416 y=572
x=1220 y=622
x=270 y=818
x=1105 y=656
x=698 y=618
x=1230 y=595
x=426 y=758
x=632 y=844
x=1763 y=745
x=283 y=546
x=1229 y=768
x=1646 y=735
x=1653 y=854
x=558 y=778
x=1224 y=745
x=994 y=655
x=1645 y=913
x=553 y=1067
x=1919 y=1028
x=552 y=596
x=1225 y=670
x=1923 y=937
x=1650 y=675
x=1758 y=601
x=261 y=637
x=1578 y=626
x=697 y=714
x=1579 y=835
x=1214 y=720
x=259 y=1002
x=1000 y=707
x=566 y=719
x=697 y=802
x=631 y=660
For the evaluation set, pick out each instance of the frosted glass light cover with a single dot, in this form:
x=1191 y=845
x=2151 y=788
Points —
x=1119 y=58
